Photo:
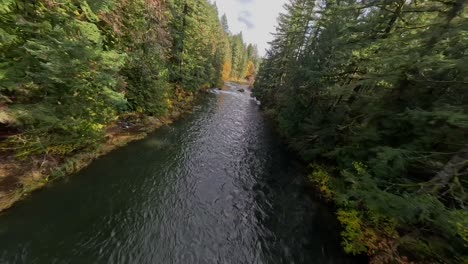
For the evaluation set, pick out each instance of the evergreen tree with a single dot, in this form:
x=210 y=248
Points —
x=377 y=91
x=70 y=68
x=239 y=56
x=58 y=83
x=197 y=44
x=224 y=24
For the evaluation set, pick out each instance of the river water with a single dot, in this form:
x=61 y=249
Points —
x=215 y=187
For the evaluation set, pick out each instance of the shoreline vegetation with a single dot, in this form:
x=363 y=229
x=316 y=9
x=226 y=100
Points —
x=373 y=95
x=21 y=177
x=80 y=78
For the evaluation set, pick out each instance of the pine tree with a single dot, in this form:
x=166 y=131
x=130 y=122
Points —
x=68 y=69
x=377 y=90
x=225 y=25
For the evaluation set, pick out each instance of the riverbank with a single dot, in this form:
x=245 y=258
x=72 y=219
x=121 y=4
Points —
x=372 y=241
x=366 y=233
x=215 y=186
x=19 y=177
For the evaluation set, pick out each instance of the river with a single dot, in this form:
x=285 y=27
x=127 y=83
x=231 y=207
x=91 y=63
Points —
x=215 y=187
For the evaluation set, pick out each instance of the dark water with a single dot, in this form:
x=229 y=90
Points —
x=216 y=187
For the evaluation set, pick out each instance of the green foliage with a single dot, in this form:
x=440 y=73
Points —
x=64 y=69
x=322 y=179
x=379 y=90
x=146 y=71
x=353 y=234
x=196 y=44
x=69 y=68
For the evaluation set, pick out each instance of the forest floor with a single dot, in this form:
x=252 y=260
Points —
x=19 y=177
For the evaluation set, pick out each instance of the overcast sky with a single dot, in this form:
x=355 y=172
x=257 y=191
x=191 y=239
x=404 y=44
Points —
x=255 y=18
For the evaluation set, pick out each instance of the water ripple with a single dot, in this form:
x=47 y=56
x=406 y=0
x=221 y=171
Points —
x=216 y=187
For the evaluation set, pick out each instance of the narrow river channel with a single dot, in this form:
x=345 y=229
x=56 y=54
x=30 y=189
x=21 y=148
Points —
x=215 y=187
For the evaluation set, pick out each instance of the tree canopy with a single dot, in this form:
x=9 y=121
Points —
x=68 y=68
x=374 y=94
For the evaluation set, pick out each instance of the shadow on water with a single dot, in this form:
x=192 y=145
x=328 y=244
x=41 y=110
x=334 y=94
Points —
x=216 y=187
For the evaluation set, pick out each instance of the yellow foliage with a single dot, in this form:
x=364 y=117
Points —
x=227 y=69
x=354 y=235
x=250 y=69
x=371 y=233
x=321 y=179
x=61 y=149
x=97 y=127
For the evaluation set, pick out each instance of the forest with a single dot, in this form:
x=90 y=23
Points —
x=374 y=96
x=69 y=68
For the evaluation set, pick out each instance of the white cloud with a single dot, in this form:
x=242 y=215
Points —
x=245 y=17
x=259 y=21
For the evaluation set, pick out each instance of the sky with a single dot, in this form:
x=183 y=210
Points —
x=255 y=18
